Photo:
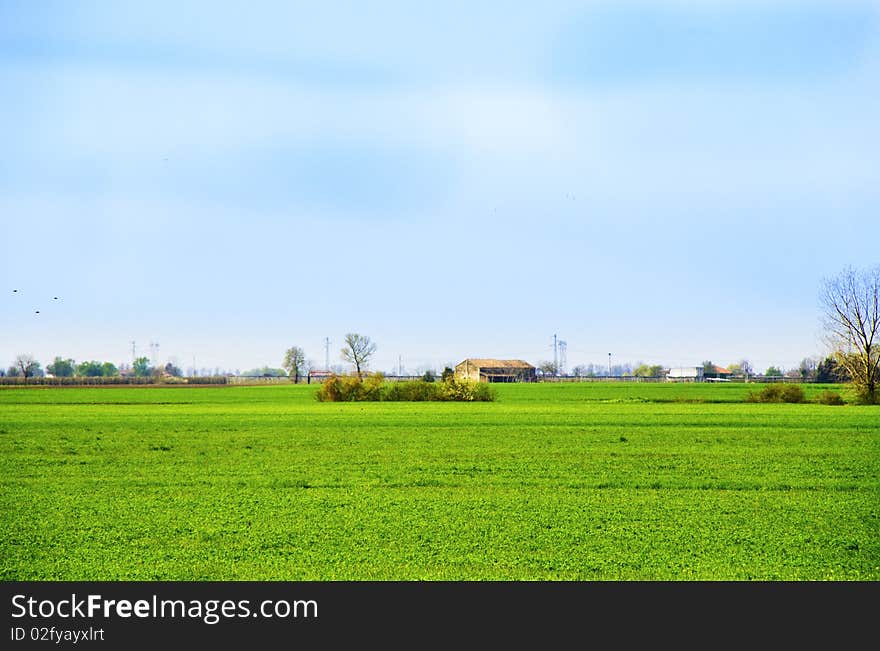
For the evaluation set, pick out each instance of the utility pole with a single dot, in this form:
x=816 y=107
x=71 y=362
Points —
x=609 y=364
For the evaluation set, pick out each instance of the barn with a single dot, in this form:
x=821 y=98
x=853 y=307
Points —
x=496 y=370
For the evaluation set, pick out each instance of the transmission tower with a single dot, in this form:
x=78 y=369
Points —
x=326 y=353
x=562 y=361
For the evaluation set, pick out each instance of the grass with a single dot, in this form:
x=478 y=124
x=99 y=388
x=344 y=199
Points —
x=587 y=481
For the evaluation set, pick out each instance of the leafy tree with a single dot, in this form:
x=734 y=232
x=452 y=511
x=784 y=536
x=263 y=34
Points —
x=90 y=369
x=548 y=368
x=295 y=362
x=173 y=370
x=851 y=303
x=358 y=350
x=828 y=371
x=447 y=375
x=62 y=367
x=773 y=372
x=428 y=376
x=644 y=370
x=708 y=369
x=141 y=367
x=109 y=370
x=742 y=368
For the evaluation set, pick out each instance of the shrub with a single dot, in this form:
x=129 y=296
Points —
x=468 y=391
x=415 y=391
x=371 y=388
x=830 y=398
x=861 y=395
x=778 y=393
x=793 y=393
x=374 y=388
x=340 y=388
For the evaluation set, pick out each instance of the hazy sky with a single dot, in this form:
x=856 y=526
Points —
x=665 y=181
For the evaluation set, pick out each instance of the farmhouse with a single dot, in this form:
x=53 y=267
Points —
x=718 y=374
x=495 y=370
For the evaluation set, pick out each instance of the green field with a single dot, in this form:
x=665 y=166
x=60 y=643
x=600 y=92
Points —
x=584 y=481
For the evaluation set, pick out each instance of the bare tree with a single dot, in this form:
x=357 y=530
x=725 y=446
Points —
x=851 y=303
x=358 y=350
x=27 y=365
x=294 y=362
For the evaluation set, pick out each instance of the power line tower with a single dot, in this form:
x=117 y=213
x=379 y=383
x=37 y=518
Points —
x=133 y=354
x=555 y=357
x=326 y=353
x=154 y=352
x=562 y=361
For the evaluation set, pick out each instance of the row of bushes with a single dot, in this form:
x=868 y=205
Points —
x=374 y=388
x=792 y=393
x=111 y=380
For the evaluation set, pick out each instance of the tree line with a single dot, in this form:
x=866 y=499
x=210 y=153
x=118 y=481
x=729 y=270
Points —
x=25 y=366
x=811 y=369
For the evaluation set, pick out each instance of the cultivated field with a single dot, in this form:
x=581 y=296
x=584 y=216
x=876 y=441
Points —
x=552 y=482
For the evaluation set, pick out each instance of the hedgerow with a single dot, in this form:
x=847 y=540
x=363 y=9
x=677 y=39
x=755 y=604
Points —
x=778 y=393
x=374 y=388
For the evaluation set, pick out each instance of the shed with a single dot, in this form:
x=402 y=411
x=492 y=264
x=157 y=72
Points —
x=496 y=370
x=685 y=374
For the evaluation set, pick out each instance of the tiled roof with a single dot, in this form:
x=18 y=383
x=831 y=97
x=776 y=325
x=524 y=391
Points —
x=497 y=363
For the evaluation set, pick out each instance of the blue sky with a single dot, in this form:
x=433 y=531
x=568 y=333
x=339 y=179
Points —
x=666 y=181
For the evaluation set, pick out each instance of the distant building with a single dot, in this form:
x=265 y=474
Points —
x=496 y=370
x=685 y=374
x=317 y=376
x=718 y=374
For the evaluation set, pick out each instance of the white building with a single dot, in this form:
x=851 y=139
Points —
x=685 y=374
